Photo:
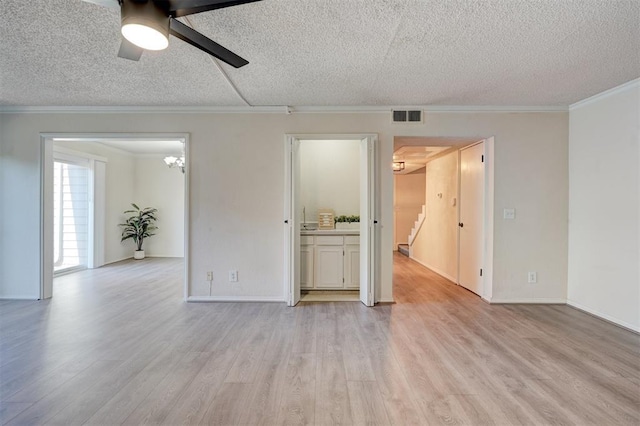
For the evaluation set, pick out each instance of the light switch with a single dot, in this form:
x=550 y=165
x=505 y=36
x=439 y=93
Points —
x=509 y=213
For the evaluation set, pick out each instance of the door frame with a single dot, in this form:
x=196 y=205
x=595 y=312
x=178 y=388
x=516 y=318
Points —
x=488 y=208
x=292 y=220
x=46 y=198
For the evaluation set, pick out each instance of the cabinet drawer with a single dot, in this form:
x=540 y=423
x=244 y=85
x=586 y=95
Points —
x=352 y=239
x=329 y=240
x=306 y=240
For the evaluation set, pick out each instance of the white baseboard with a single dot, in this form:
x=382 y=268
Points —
x=386 y=301
x=604 y=317
x=436 y=270
x=19 y=297
x=235 y=299
x=538 y=301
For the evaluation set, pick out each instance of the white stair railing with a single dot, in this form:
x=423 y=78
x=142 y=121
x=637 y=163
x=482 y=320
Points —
x=417 y=225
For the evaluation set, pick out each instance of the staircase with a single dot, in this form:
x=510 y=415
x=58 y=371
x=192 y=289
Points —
x=416 y=226
x=404 y=249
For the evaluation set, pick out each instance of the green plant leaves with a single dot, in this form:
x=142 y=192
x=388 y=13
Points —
x=347 y=219
x=140 y=225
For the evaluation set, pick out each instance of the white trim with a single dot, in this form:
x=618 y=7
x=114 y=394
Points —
x=98 y=137
x=235 y=299
x=437 y=271
x=80 y=154
x=277 y=109
x=19 y=298
x=292 y=224
x=142 y=109
x=605 y=94
x=46 y=156
x=488 y=231
x=187 y=174
x=603 y=317
x=386 y=301
x=521 y=301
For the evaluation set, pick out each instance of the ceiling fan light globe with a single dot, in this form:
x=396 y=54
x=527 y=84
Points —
x=146 y=37
x=145 y=24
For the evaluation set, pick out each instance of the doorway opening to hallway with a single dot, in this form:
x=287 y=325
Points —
x=443 y=207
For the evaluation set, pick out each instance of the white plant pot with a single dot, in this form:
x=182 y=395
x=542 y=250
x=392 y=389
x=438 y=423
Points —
x=138 y=254
x=347 y=225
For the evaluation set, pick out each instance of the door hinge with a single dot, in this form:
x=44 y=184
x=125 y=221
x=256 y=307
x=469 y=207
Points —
x=480 y=271
x=483 y=158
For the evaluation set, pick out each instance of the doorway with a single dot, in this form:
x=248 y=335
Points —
x=452 y=234
x=122 y=168
x=348 y=256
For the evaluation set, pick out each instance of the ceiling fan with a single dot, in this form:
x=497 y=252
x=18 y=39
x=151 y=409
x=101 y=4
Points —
x=146 y=25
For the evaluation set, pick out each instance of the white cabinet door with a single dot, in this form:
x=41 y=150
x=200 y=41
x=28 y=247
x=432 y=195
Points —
x=306 y=266
x=352 y=266
x=329 y=267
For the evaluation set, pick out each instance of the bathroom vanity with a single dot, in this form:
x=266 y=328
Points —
x=330 y=259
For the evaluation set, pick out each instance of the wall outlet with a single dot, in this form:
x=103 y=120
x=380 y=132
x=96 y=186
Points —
x=233 y=276
x=210 y=276
x=509 y=214
x=532 y=277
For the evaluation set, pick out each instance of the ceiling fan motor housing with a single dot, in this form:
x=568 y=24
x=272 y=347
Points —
x=146 y=13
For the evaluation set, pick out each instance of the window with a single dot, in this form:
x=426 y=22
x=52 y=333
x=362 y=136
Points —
x=70 y=214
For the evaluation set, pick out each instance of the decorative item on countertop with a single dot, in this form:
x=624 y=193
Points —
x=326 y=219
x=347 y=222
x=138 y=227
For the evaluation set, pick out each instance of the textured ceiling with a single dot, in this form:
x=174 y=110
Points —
x=328 y=53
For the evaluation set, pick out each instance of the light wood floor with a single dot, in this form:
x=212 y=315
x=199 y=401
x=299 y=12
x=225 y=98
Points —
x=119 y=346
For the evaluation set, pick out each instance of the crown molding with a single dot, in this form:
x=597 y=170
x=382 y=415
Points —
x=602 y=95
x=140 y=109
x=275 y=109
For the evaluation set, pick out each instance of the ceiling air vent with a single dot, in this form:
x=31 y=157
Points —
x=407 y=116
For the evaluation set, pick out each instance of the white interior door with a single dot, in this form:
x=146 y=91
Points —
x=367 y=219
x=471 y=216
x=292 y=222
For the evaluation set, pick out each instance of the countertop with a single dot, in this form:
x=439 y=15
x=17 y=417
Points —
x=331 y=232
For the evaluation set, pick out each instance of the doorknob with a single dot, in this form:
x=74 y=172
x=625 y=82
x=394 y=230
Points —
x=461 y=225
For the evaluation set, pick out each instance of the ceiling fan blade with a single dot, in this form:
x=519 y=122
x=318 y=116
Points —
x=129 y=50
x=179 y=8
x=194 y=38
x=111 y=4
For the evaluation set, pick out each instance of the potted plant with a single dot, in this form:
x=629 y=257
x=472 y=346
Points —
x=138 y=227
x=347 y=222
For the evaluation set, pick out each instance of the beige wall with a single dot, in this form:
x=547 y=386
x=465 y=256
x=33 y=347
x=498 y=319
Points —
x=158 y=186
x=436 y=245
x=604 y=231
x=236 y=213
x=330 y=177
x=408 y=198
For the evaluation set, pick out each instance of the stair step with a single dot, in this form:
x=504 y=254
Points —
x=404 y=249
